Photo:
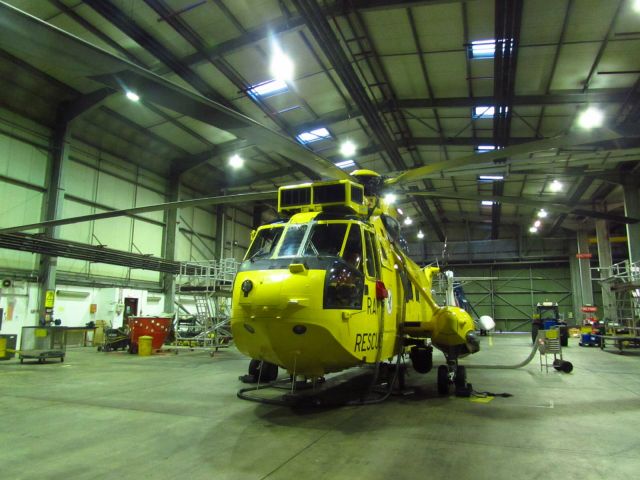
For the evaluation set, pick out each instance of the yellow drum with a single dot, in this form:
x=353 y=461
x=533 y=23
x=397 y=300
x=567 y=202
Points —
x=144 y=346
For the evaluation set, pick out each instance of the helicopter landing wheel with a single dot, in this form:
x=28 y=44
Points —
x=463 y=389
x=443 y=380
x=421 y=358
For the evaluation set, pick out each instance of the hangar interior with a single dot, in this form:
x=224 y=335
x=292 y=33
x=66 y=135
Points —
x=511 y=126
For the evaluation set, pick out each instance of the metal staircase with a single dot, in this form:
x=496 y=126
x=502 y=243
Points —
x=204 y=295
x=624 y=279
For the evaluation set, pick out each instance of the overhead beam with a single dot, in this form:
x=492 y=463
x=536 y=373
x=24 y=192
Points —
x=608 y=96
x=162 y=8
x=316 y=22
x=289 y=24
x=575 y=197
x=508 y=19
x=559 y=207
x=125 y=24
x=86 y=103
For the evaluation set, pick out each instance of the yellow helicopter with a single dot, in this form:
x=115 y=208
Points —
x=332 y=287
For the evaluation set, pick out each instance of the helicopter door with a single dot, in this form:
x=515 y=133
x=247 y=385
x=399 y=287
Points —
x=372 y=307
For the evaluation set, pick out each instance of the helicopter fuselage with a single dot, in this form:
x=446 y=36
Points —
x=324 y=291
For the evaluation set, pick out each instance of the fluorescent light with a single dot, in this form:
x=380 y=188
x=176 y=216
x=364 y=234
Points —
x=271 y=87
x=542 y=213
x=484 y=111
x=555 y=186
x=491 y=177
x=485 y=148
x=537 y=223
x=389 y=198
x=533 y=230
x=281 y=65
x=487 y=203
x=348 y=149
x=132 y=96
x=591 y=118
x=420 y=234
x=346 y=164
x=408 y=221
x=314 y=135
x=487 y=48
x=236 y=161
x=483 y=49
x=400 y=211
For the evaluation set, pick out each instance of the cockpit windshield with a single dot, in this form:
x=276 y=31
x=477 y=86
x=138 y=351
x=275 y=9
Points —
x=316 y=239
x=325 y=239
x=265 y=242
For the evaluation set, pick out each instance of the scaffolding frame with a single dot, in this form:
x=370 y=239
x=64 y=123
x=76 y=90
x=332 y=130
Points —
x=208 y=286
x=624 y=281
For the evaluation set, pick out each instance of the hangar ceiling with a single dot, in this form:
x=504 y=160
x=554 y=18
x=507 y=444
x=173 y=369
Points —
x=402 y=80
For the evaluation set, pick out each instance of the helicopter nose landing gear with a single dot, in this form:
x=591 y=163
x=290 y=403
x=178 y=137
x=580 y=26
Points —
x=456 y=375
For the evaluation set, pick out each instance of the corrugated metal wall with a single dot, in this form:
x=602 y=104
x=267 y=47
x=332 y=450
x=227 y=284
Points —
x=95 y=181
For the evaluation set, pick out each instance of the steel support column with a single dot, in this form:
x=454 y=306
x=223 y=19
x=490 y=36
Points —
x=220 y=224
x=169 y=245
x=632 y=209
x=604 y=262
x=584 y=269
x=52 y=205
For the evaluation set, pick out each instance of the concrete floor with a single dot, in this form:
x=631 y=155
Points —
x=121 y=416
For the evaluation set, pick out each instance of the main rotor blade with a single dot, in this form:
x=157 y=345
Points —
x=221 y=200
x=551 y=206
x=570 y=139
x=25 y=36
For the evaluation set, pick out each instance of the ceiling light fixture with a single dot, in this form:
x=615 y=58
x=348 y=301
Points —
x=281 y=65
x=555 y=186
x=591 y=118
x=542 y=213
x=348 y=148
x=236 y=161
x=389 y=198
x=533 y=230
x=134 y=97
x=485 y=148
x=408 y=221
x=420 y=234
x=636 y=6
x=537 y=223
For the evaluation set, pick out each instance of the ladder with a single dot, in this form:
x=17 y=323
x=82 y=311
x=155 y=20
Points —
x=203 y=309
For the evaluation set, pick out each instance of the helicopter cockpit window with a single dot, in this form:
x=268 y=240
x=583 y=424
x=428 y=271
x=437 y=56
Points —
x=393 y=229
x=392 y=226
x=325 y=239
x=264 y=242
x=292 y=240
x=372 y=270
x=353 y=248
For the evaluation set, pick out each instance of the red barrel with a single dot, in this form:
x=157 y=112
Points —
x=155 y=327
